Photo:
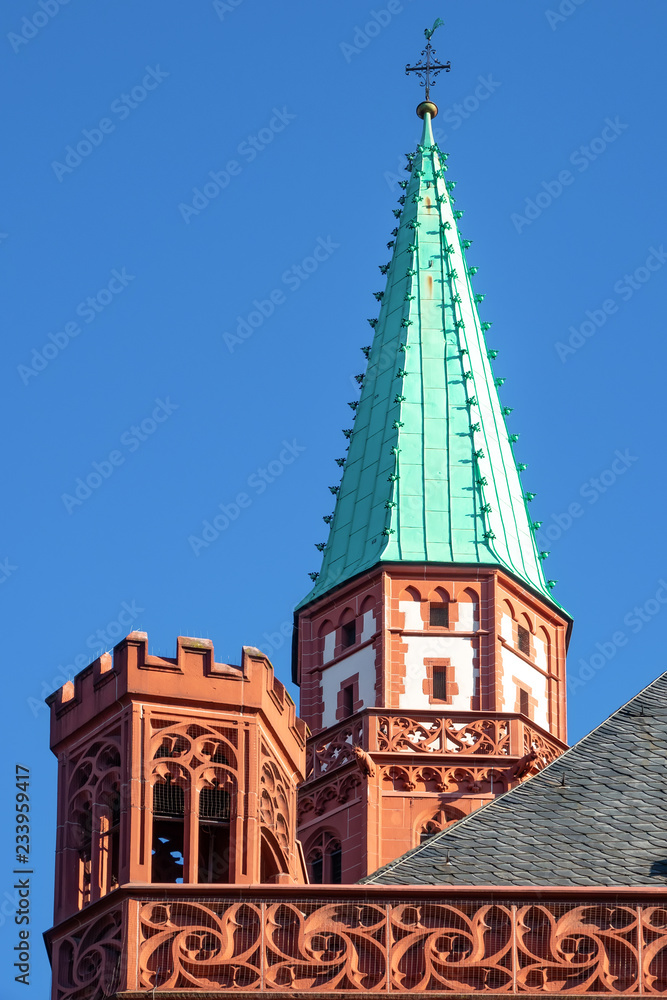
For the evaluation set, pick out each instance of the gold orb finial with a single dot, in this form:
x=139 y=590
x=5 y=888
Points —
x=427 y=107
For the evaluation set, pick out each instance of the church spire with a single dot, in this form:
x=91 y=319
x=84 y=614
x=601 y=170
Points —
x=431 y=475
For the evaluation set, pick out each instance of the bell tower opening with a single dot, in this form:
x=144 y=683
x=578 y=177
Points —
x=214 y=835
x=168 y=851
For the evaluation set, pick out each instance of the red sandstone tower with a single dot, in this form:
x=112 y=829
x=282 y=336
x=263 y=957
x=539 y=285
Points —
x=170 y=771
x=430 y=651
x=452 y=683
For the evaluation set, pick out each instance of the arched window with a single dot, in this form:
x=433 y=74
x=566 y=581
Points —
x=168 y=830
x=92 y=820
x=194 y=802
x=348 y=630
x=438 y=608
x=325 y=860
x=427 y=831
x=444 y=817
x=368 y=604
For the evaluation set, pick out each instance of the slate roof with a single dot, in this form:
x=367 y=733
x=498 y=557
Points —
x=596 y=816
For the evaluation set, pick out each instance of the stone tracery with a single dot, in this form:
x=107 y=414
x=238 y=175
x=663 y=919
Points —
x=405 y=947
x=276 y=807
x=92 y=818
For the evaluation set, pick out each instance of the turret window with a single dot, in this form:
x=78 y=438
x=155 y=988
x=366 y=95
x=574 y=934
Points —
x=347 y=699
x=349 y=634
x=214 y=825
x=524 y=640
x=325 y=861
x=427 y=831
x=440 y=683
x=524 y=704
x=439 y=615
x=168 y=831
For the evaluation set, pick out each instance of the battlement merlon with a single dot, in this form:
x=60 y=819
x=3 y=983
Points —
x=191 y=678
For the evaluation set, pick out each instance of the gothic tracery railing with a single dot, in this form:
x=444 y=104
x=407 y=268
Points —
x=377 y=939
x=429 y=732
x=405 y=947
x=443 y=735
x=335 y=749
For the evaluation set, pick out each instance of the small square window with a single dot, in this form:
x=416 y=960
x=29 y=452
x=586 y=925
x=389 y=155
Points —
x=349 y=634
x=440 y=683
x=439 y=615
x=524 y=640
x=348 y=701
x=523 y=702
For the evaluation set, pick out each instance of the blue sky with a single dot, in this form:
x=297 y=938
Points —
x=172 y=344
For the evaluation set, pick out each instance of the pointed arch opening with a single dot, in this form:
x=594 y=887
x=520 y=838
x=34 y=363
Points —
x=324 y=629
x=542 y=641
x=430 y=824
x=324 y=859
x=271 y=859
x=368 y=604
x=438 y=608
x=468 y=610
x=347 y=629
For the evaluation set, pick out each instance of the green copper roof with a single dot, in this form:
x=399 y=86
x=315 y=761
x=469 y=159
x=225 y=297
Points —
x=430 y=475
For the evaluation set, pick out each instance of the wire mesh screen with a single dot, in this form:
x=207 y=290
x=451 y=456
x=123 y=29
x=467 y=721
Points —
x=215 y=804
x=168 y=799
x=365 y=945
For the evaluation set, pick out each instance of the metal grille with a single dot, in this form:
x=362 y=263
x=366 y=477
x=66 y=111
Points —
x=215 y=804
x=440 y=683
x=168 y=799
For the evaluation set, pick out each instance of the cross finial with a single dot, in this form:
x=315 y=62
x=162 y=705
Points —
x=428 y=67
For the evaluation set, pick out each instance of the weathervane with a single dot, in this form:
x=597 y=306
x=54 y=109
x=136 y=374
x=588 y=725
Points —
x=427 y=69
